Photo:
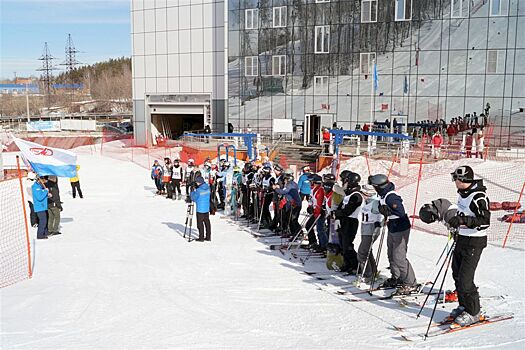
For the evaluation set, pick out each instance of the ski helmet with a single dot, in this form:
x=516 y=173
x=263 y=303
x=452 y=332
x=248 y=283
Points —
x=378 y=180
x=428 y=213
x=277 y=167
x=368 y=190
x=288 y=175
x=236 y=169
x=207 y=165
x=329 y=178
x=176 y=160
x=267 y=169
x=198 y=173
x=463 y=173
x=344 y=174
x=191 y=161
x=306 y=169
x=226 y=164
x=199 y=180
x=353 y=179
x=316 y=179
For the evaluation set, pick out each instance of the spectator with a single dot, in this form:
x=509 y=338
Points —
x=326 y=140
x=156 y=175
x=75 y=184
x=201 y=196
x=230 y=128
x=451 y=132
x=40 y=195
x=31 y=177
x=468 y=145
x=437 y=141
x=54 y=206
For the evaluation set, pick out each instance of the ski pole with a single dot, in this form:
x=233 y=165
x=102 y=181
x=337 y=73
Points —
x=301 y=231
x=445 y=262
x=294 y=238
x=310 y=252
x=360 y=278
x=260 y=216
x=191 y=223
x=437 y=263
x=378 y=256
x=440 y=289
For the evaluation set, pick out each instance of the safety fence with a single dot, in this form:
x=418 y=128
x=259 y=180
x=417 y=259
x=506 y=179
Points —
x=15 y=260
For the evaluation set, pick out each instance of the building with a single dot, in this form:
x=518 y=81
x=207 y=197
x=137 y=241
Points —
x=18 y=89
x=248 y=62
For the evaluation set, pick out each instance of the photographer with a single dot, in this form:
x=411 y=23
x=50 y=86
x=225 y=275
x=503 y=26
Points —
x=200 y=194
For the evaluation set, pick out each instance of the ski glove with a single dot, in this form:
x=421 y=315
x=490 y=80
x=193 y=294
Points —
x=385 y=210
x=456 y=221
x=377 y=224
x=310 y=210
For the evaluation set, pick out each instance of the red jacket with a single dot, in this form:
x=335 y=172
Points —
x=451 y=130
x=437 y=140
x=317 y=199
x=326 y=136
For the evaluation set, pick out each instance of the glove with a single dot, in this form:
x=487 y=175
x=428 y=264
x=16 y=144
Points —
x=188 y=199
x=385 y=210
x=456 y=221
x=310 y=210
x=377 y=224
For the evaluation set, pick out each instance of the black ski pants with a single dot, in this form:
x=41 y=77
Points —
x=175 y=184
x=74 y=187
x=203 y=220
x=464 y=263
x=266 y=218
x=347 y=235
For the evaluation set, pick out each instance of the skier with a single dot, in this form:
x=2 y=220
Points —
x=267 y=192
x=166 y=177
x=54 y=206
x=75 y=184
x=276 y=225
x=472 y=221
x=236 y=188
x=371 y=222
x=189 y=177
x=317 y=212
x=201 y=196
x=292 y=204
x=177 y=174
x=348 y=213
x=40 y=195
x=398 y=224
x=156 y=175
x=304 y=183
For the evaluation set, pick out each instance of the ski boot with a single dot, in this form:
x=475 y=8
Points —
x=405 y=290
x=390 y=283
x=453 y=314
x=465 y=319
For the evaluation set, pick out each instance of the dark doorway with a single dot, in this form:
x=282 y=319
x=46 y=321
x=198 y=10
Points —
x=313 y=128
x=173 y=126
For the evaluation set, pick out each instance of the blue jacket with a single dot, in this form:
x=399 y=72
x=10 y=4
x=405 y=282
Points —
x=156 y=172
x=290 y=191
x=395 y=203
x=304 y=184
x=39 y=197
x=201 y=196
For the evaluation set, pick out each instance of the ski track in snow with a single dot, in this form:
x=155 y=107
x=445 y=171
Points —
x=122 y=276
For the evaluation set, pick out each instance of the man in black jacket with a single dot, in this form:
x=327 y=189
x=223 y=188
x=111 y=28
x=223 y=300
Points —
x=472 y=221
x=54 y=206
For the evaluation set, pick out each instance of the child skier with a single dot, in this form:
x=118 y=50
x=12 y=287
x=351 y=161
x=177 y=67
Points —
x=371 y=222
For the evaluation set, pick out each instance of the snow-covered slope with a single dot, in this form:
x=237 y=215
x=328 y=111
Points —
x=121 y=276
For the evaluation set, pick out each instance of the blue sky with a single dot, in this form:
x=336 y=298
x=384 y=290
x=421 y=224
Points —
x=99 y=28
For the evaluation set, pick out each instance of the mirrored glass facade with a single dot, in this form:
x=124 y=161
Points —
x=433 y=58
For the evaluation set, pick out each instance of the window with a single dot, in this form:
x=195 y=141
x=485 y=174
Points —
x=322 y=39
x=459 y=8
x=279 y=17
x=251 y=66
x=403 y=10
x=279 y=65
x=492 y=61
x=366 y=61
x=320 y=85
x=499 y=7
x=368 y=11
x=251 y=18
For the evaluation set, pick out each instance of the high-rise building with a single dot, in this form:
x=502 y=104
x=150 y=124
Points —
x=320 y=62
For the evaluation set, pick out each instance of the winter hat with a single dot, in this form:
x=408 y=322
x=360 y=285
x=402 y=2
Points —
x=199 y=180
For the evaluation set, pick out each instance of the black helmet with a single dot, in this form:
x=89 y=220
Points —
x=288 y=175
x=428 y=213
x=316 y=179
x=329 y=178
x=344 y=174
x=353 y=179
x=378 y=180
x=463 y=173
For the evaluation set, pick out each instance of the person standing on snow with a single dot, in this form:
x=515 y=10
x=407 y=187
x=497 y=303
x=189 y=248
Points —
x=267 y=182
x=472 y=221
x=398 y=234
x=371 y=222
x=201 y=196
x=31 y=177
x=291 y=205
x=166 y=177
x=317 y=212
x=40 y=196
x=75 y=184
x=54 y=206
x=304 y=184
x=177 y=174
x=437 y=141
x=156 y=175
x=189 y=177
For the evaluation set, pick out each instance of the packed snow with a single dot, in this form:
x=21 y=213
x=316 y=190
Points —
x=122 y=276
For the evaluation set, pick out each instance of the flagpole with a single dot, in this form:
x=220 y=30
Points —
x=372 y=96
